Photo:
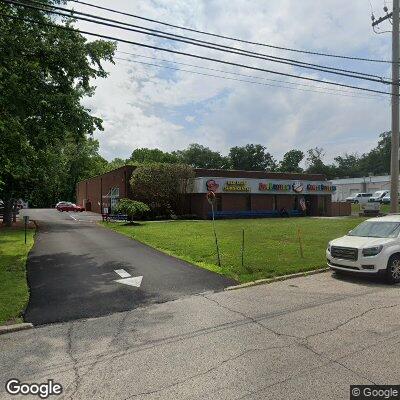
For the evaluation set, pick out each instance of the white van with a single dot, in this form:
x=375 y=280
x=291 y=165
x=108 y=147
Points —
x=378 y=196
x=359 y=198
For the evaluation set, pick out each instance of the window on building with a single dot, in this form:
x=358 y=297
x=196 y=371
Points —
x=114 y=197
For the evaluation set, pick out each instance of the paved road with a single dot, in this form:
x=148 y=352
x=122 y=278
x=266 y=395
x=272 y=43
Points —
x=303 y=339
x=71 y=271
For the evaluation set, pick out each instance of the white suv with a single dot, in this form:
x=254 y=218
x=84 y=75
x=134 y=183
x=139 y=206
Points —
x=370 y=248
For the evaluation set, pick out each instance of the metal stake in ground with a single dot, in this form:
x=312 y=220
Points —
x=26 y=221
x=211 y=200
x=242 y=248
x=300 y=242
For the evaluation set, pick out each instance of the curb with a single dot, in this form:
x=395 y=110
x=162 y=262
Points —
x=15 y=328
x=276 y=279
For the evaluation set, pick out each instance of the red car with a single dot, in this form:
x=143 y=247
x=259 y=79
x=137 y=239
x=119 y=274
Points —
x=67 y=206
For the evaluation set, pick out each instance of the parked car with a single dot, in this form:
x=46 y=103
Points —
x=359 y=198
x=67 y=206
x=378 y=196
x=63 y=203
x=373 y=247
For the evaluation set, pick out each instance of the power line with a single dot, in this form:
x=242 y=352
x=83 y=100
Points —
x=234 y=73
x=107 y=37
x=337 y=93
x=227 y=49
x=193 y=39
x=230 y=37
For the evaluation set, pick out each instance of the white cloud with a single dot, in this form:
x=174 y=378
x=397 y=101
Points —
x=143 y=105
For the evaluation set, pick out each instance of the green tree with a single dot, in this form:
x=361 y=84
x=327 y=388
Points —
x=252 y=157
x=377 y=161
x=132 y=208
x=347 y=165
x=162 y=186
x=199 y=156
x=117 y=163
x=291 y=161
x=44 y=74
x=316 y=165
x=146 y=156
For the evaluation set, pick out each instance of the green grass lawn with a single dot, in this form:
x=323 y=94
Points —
x=14 y=294
x=271 y=245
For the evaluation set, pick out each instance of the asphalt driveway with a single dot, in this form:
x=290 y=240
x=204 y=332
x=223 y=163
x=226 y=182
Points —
x=75 y=264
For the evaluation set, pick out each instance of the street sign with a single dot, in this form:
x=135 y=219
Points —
x=210 y=197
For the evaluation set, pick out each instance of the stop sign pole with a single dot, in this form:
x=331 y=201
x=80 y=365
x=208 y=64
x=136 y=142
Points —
x=211 y=200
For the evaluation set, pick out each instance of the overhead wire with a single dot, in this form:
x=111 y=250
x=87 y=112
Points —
x=345 y=94
x=108 y=37
x=204 y=44
x=237 y=73
x=230 y=37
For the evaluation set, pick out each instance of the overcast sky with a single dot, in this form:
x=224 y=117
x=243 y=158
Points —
x=148 y=106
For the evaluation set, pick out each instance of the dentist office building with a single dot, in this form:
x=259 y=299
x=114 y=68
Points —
x=239 y=194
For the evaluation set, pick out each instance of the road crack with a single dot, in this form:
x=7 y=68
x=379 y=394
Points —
x=203 y=373
x=350 y=320
x=77 y=377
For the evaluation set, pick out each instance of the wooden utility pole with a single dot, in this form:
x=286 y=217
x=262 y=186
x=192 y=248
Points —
x=394 y=159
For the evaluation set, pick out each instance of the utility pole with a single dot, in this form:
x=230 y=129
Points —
x=394 y=159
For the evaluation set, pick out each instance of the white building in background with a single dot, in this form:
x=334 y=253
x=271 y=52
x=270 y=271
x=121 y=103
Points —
x=349 y=186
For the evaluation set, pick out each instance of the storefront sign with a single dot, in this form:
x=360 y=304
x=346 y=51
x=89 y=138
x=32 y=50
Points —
x=272 y=187
x=236 y=186
x=321 y=188
x=261 y=186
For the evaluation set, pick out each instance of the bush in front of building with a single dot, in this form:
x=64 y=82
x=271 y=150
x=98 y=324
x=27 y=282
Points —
x=163 y=187
x=132 y=208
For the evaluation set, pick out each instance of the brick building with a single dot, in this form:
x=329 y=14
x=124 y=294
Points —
x=238 y=193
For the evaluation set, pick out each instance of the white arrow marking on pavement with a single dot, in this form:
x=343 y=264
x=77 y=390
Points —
x=122 y=273
x=135 y=281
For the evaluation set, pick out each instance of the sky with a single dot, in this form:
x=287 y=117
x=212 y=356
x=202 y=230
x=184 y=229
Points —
x=169 y=108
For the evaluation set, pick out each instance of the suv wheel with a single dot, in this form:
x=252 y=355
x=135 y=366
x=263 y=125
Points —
x=393 y=269
x=355 y=201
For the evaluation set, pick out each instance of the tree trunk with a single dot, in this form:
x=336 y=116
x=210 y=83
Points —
x=8 y=209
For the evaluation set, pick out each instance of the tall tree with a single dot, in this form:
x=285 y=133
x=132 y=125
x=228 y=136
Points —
x=377 y=161
x=117 y=163
x=316 y=165
x=162 y=186
x=145 y=155
x=347 y=165
x=252 y=157
x=44 y=74
x=291 y=161
x=199 y=156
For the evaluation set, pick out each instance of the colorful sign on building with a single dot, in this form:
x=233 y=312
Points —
x=236 y=186
x=261 y=186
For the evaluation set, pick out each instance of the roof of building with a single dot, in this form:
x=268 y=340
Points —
x=365 y=179
x=232 y=173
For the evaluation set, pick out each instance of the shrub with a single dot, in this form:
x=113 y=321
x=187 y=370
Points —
x=132 y=208
x=162 y=186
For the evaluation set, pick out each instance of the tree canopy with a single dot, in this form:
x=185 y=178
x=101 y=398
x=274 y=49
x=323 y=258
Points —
x=291 y=161
x=252 y=157
x=45 y=72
